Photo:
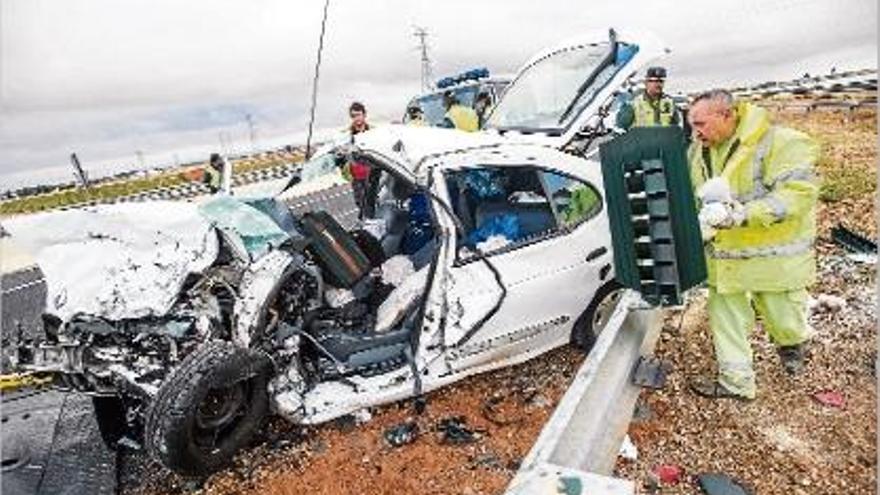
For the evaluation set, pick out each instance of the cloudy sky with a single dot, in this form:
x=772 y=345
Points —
x=172 y=80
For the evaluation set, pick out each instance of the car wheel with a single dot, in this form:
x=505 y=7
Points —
x=592 y=321
x=208 y=408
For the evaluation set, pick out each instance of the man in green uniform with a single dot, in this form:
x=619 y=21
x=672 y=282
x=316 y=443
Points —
x=214 y=173
x=651 y=107
x=758 y=197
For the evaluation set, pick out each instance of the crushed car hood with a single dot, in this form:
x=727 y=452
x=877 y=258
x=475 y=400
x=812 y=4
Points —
x=117 y=261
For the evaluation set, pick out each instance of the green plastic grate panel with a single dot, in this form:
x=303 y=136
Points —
x=657 y=245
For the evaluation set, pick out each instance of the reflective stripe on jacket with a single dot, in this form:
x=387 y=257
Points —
x=463 y=118
x=649 y=113
x=770 y=171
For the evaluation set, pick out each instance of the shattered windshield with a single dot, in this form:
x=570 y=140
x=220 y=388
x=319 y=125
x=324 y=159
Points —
x=551 y=93
x=253 y=224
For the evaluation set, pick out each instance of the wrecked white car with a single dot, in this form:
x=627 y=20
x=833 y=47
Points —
x=476 y=251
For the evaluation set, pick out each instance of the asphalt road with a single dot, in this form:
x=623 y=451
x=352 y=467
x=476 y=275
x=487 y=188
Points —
x=49 y=441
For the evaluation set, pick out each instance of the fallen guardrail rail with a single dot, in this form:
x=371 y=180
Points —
x=577 y=449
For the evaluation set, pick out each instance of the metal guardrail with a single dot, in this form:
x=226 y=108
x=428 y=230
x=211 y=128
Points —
x=193 y=189
x=850 y=91
x=580 y=443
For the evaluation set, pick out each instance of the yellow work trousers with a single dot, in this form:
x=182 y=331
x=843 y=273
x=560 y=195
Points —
x=732 y=318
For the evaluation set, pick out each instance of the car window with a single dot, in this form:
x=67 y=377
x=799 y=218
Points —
x=500 y=208
x=432 y=105
x=552 y=92
x=574 y=201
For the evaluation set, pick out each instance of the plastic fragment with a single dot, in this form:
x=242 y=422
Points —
x=669 y=474
x=830 y=398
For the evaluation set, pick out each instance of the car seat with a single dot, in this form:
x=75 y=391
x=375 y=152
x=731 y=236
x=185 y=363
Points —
x=341 y=260
x=533 y=218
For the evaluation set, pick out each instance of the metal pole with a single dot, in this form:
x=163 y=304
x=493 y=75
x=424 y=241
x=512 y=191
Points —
x=252 y=132
x=315 y=81
x=78 y=171
x=422 y=34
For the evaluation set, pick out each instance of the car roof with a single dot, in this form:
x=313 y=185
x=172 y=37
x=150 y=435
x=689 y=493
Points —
x=429 y=147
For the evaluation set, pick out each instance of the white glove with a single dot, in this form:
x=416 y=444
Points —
x=707 y=232
x=715 y=190
x=737 y=213
x=722 y=215
x=714 y=214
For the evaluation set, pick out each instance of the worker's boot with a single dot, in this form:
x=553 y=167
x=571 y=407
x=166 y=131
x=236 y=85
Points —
x=711 y=388
x=792 y=357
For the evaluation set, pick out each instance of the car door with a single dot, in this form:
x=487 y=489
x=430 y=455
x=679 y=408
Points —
x=565 y=91
x=549 y=265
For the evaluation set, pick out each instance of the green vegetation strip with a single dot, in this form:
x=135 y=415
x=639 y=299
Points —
x=107 y=192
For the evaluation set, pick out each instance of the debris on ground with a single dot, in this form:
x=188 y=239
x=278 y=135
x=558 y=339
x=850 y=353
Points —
x=500 y=410
x=402 y=434
x=668 y=474
x=853 y=241
x=650 y=372
x=720 y=484
x=628 y=449
x=362 y=416
x=569 y=485
x=454 y=431
x=487 y=460
x=830 y=398
x=827 y=302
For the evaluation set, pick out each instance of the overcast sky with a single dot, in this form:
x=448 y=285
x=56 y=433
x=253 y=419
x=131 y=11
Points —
x=172 y=78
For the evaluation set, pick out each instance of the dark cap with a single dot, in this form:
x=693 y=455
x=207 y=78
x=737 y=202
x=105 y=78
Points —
x=656 y=73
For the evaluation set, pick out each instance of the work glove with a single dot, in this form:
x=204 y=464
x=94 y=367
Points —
x=716 y=190
x=720 y=210
x=722 y=215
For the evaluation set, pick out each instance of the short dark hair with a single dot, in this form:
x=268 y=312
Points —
x=357 y=107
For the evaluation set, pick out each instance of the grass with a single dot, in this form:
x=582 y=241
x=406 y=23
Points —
x=848 y=161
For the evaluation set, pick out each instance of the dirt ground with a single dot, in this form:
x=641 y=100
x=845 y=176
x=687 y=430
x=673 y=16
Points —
x=785 y=442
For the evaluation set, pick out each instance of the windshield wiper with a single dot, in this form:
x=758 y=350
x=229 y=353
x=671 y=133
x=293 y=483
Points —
x=608 y=60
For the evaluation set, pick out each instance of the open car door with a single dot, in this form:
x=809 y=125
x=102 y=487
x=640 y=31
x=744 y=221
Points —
x=561 y=93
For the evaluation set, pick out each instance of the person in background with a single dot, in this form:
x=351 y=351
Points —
x=459 y=116
x=757 y=193
x=359 y=171
x=651 y=107
x=214 y=173
x=415 y=116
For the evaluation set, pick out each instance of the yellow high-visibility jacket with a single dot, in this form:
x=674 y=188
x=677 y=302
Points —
x=659 y=112
x=770 y=171
x=463 y=118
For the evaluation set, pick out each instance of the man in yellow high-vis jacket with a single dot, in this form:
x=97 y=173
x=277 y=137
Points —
x=459 y=116
x=758 y=195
